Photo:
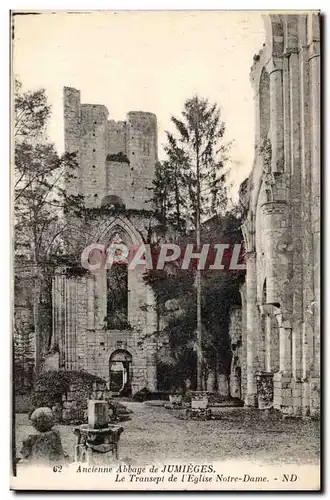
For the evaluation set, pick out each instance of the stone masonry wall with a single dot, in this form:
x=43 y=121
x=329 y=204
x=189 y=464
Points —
x=281 y=228
x=90 y=134
x=86 y=346
x=114 y=159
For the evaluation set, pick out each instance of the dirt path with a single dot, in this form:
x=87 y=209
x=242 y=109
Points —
x=155 y=434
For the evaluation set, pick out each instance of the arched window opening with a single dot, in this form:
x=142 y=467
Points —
x=117 y=297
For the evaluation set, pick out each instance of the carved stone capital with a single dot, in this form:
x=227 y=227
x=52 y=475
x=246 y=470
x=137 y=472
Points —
x=314 y=50
x=274 y=207
x=270 y=310
x=274 y=64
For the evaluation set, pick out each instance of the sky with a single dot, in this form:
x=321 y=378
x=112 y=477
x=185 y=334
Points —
x=146 y=61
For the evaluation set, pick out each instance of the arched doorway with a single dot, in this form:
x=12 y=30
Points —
x=120 y=373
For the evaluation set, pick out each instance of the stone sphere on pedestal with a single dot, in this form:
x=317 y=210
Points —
x=42 y=419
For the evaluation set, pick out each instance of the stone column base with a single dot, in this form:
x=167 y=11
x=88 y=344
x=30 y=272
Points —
x=305 y=399
x=283 y=393
x=297 y=392
x=251 y=400
x=314 y=397
x=235 y=386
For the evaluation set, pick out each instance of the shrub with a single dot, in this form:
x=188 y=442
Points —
x=120 y=412
x=52 y=385
x=142 y=395
x=22 y=403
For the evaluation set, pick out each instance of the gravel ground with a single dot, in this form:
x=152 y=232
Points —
x=155 y=434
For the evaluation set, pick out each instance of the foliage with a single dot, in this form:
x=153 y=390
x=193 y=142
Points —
x=189 y=190
x=51 y=386
x=31 y=112
x=117 y=321
x=117 y=297
x=220 y=292
x=265 y=150
x=118 y=157
x=193 y=176
x=40 y=203
x=173 y=377
x=265 y=389
x=142 y=395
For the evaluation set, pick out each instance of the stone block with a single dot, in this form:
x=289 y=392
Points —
x=98 y=414
x=286 y=393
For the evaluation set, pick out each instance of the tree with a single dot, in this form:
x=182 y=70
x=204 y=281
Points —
x=197 y=155
x=31 y=112
x=39 y=198
x=175 y=294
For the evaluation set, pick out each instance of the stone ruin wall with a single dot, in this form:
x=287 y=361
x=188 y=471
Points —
x=114 y=159
x=281 y=229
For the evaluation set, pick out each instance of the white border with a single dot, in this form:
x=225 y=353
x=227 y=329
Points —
x=5 y=315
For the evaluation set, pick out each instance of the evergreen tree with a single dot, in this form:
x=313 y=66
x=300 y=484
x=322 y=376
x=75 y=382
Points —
x=195 y=171
x=198 y=152
x=191 y=188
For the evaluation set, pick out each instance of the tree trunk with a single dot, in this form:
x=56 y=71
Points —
x=36 y=317
x=198 y=280
x=177 y=201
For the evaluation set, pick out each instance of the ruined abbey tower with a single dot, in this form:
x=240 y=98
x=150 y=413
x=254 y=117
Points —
x=115 y=158
x=104 y=322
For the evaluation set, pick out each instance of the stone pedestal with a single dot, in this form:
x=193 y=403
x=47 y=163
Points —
x=98 y=414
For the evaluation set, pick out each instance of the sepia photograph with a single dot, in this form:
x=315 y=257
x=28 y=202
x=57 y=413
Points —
x=165 y=191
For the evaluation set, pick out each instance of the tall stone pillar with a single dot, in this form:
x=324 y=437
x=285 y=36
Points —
x=67 y=329
x=243 y=349
x=285 y=348
x=268 y=333
x=283 y=391
x=276 y=133
x=297 y=285
x=151 y=330
x=314 y=72
x=59 y=306
x=307 y=241
x=252 y=326
x=71 y=324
